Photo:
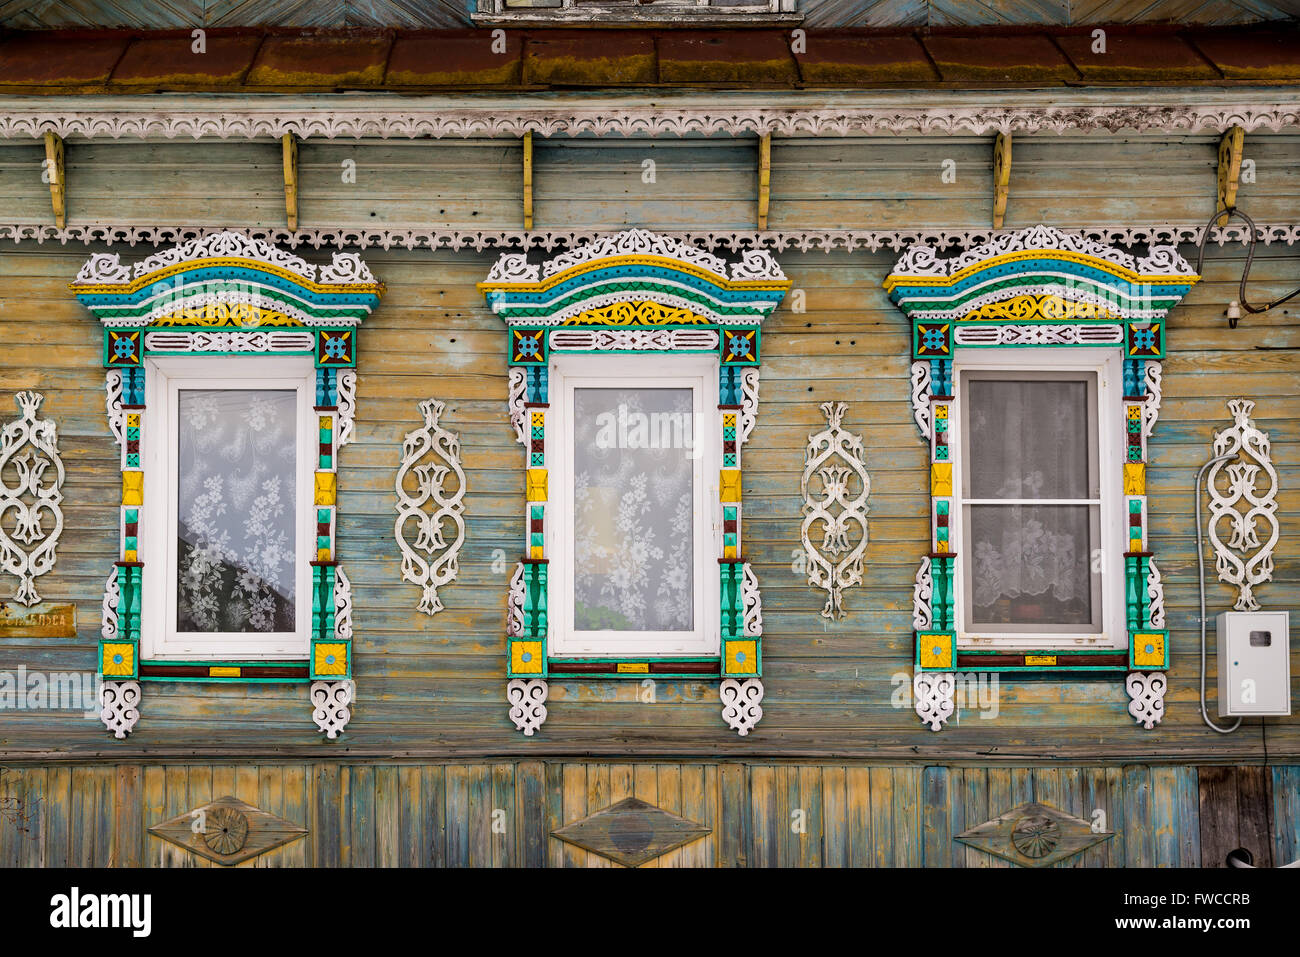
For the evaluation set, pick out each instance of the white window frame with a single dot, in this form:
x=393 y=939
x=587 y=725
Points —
x=1107 y=366
x=699 y=373
x=165 y=377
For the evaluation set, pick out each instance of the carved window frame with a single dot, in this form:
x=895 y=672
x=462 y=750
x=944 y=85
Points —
x=220 y=296
x=1040 y=291
x=633 y=293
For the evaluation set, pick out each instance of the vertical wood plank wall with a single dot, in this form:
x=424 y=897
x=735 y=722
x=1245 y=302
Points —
x=388 y=815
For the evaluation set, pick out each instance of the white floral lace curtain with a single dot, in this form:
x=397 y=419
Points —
x=236 y=520
x=1029 y=442
x=633 y=510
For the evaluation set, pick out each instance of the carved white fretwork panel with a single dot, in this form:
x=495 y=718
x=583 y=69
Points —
x=31 y=488
x=1245 y=506
x=836 y=459
x=436 y=508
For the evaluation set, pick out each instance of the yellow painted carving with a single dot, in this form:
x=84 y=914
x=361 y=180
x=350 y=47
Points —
x=224 y=671
x=110 y=667
x=1135 y=478
x=339 y=652
x=1040 y=659
x=326 y=488
x=241 y=314
x=746 y=652
x=539 y=419
x=675 y=265
x=729 y=485
x=536 y=485
x=533 y=666
x=633 y=668
x=895 y=279
x=133 y=488
x=1046 y=306
x=941 y=479
x=935 y=650
x=1153 y=658
x=641 y=313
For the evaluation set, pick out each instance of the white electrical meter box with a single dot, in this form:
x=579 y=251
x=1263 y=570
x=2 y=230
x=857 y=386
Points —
x=1254 y=663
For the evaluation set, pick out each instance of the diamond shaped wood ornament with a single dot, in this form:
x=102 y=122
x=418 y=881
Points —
x=631 y=832
x=1034 y=835
x=228 y=831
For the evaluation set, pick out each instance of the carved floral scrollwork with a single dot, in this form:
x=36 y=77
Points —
x=835 y=456
x=433 y=558
x=741 y=703
x=331 y=705
x=1246 y=558
x=29 y=451
x=527 y=698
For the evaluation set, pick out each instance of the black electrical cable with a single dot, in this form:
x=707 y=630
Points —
x=1245 y=273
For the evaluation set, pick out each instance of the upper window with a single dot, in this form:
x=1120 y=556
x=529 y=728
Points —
x=635 y=11
x=1031 y=501
x=233 y=461
x=637 y=525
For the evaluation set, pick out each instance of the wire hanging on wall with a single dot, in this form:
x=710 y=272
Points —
x=1235 y=307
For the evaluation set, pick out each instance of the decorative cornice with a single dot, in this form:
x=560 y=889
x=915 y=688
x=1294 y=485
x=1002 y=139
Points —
x=827 y=240
x=783 y=113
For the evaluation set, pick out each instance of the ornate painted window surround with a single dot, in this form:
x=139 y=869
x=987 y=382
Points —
x=227 y=294
x=1038 y=289
x=637 y=293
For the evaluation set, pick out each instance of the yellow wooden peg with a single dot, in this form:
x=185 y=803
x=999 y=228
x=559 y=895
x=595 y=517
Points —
x=326 y=488
x=536 y=485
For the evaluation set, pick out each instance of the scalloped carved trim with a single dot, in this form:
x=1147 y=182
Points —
x=921 y=397
x=883 y=114
x=827 y=240
x=922 y=590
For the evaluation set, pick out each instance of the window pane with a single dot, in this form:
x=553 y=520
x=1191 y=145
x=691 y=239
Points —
x=1028 y=439
x=1031 y=564
x=633 y=521
x=236 y=516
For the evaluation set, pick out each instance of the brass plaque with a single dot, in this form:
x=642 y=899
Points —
x=42 y=620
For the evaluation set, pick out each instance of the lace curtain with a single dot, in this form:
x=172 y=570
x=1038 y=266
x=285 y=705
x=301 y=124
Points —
x=1030 y=441
x=633 y=524
x=236 y=516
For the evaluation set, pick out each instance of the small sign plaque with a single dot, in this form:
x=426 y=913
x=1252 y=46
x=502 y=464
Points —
x=42 y=620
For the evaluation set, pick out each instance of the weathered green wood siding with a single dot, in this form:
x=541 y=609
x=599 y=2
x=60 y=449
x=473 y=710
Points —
x=441 y=815
x=435 y=686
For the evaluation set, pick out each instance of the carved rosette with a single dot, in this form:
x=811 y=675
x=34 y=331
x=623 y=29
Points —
x=835 y=457
x=527 y=698
x=741 y=703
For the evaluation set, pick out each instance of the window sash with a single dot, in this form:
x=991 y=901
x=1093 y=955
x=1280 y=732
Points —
x=160 y=639
x=1101 y=369
x=700 y=374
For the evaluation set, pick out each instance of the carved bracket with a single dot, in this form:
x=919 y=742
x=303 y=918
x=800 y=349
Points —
x=1246 y=559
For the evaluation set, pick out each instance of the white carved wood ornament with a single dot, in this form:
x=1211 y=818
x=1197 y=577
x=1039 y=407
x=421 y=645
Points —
x=834 y=456
x=331 y=705
x=437 y=507
x=119 y=706
x=1146 y=689
x=934 y=697
x=1245 y=560
x=527 y=698
x=30 y=517
x=741 y=700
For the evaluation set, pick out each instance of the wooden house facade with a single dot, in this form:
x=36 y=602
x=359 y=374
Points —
x=412 y=247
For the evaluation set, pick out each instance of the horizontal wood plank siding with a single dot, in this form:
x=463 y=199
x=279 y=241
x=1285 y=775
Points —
x=436 y=686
